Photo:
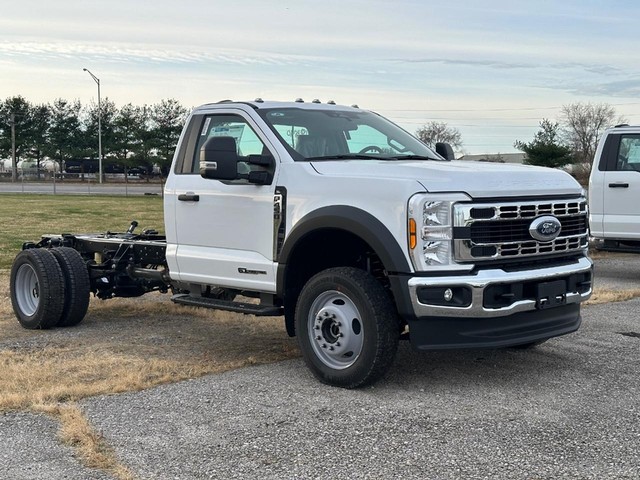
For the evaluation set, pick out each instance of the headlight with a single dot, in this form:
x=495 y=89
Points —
x=430 y=231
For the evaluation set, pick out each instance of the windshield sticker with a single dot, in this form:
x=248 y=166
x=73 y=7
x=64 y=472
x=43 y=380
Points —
x=205 y=128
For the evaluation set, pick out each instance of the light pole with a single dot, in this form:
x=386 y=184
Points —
x=97 y=80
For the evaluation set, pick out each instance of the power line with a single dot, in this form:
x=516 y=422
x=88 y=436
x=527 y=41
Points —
x=495 y=109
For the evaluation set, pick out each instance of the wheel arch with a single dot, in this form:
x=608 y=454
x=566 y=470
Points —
x=346 y=230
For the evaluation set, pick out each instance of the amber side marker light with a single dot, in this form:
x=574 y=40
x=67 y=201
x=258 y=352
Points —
x=413 y=239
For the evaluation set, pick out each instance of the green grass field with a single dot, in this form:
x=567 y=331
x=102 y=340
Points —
x=24 y=218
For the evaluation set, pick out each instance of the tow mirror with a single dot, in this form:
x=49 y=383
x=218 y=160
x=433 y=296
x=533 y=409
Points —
x=445 y=151
x=219 y=159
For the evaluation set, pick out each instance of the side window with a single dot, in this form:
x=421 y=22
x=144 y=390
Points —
x=629 y=153
x=234 y=126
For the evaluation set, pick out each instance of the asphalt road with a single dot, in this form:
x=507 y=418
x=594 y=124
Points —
x=89 y=188
x=568 y=409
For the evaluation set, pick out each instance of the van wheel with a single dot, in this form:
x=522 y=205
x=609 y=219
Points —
x=347 y=327
x=77 y=286
x=37 y=289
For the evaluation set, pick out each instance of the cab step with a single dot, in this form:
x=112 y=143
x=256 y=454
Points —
x=238 y=307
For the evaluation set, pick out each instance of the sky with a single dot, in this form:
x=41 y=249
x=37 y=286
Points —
x=491 y=69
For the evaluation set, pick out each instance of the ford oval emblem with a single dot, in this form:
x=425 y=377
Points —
x=545 y=229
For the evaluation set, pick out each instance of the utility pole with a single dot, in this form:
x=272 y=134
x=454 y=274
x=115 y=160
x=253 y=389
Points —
x=14 y=169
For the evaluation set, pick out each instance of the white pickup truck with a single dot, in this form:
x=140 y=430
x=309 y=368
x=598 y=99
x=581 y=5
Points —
x=349 y=227
x=614 y=190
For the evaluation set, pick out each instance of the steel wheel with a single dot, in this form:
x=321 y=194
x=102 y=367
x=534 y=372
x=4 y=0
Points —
x=347 y=327
x=27 y=290
x=37 y=288
x=335 y=330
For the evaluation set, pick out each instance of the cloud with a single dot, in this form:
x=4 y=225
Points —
x=124 y=53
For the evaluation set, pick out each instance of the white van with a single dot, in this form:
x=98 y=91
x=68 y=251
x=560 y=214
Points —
x=614 y=190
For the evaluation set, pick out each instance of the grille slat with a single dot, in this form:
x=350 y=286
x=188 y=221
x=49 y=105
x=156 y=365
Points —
x=502 y=231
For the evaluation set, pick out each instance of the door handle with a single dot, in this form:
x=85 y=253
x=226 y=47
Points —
x=618 y=185
x=189 y=197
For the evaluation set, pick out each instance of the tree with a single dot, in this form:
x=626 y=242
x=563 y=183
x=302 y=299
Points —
x=108 y=113
x=67 y=140
x=583 y=125
x=128 y=125
x=167 y=118
x=434 y=132
x=546 y=149
x=15 y=109
x=40 y=121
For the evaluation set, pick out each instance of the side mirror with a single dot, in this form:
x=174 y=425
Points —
x=445 y=151
x=219 y=159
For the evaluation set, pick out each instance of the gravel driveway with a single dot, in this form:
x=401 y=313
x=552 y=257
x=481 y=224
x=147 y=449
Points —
x=568 y=409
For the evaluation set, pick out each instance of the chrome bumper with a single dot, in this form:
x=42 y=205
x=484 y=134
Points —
x=485 y=278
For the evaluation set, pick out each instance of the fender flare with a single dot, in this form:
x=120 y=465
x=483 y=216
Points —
x=350 y=219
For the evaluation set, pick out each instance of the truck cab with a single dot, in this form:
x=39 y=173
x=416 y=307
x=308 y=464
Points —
x=614 y=189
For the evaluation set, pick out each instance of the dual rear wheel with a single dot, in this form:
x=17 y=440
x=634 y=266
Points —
x=49 y=287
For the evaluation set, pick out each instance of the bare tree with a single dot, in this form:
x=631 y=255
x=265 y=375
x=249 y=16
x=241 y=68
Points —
x=583 y=125
x=434 y=132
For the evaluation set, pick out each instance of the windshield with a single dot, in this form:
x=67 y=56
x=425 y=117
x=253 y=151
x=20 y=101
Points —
x=332 y=134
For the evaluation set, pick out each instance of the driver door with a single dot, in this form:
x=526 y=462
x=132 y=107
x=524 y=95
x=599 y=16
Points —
x=224 y=229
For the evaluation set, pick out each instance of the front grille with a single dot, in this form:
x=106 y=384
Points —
x=483 y=231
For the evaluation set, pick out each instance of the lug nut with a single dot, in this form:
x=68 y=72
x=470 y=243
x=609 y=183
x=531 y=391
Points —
x=331 y=348
x=318 y=337
x=324 y=345
x=337 y=344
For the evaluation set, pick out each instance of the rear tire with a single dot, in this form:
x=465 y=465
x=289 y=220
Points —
x=37 y=289
x=77 y=286
x=347 y=327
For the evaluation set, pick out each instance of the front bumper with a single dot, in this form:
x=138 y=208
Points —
x=497 y=308
x=480 y=283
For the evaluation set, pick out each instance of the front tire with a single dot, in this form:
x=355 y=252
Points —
x=347 y=327
x=37 y=289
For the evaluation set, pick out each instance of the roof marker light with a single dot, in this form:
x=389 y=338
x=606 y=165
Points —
x=315 y=100
x=299 y=100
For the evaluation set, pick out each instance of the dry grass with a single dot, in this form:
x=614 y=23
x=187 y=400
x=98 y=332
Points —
x=602 y=295
x=128 y=345
x=123 y=345
x=76 y=432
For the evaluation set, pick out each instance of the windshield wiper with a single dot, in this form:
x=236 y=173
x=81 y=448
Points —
x=416 y=157
x=348 y=156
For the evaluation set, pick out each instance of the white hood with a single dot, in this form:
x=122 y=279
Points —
x=477 y=179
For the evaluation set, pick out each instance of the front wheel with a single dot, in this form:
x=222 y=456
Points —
x=347 y=327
